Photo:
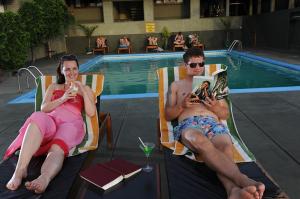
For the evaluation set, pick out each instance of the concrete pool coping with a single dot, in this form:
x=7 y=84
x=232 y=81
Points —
x=29 y=97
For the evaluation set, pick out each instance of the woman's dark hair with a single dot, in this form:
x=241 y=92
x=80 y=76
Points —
x=60 y=77
x=192 y=52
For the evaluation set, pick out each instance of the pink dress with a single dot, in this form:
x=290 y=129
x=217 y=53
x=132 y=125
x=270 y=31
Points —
x=63 y=126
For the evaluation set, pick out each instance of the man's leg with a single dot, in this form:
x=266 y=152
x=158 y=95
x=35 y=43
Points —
x=31 y=143
x=223 y=144
x=217 y=160
x=51 y=166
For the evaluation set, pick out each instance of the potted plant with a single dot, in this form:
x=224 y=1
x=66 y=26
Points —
x=88 y=31
x=165 y=36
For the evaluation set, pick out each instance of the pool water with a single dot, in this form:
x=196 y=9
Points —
x=139 y=76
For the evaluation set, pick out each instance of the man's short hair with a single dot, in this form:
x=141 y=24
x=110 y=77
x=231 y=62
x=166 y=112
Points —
x=192 y=52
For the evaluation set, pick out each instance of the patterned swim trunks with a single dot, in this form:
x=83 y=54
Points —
x=207 y=125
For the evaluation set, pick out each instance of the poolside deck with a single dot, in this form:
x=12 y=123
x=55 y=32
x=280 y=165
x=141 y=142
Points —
x=267 y=123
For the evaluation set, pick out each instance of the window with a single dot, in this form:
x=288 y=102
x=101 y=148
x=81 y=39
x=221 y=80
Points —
x=86 y=11
x=297 y=3
x=84 y=3
x=171 y=9
x=128 y=11
x=213 y=8
x=239 y=7
x=281 y=4
x=265 y=6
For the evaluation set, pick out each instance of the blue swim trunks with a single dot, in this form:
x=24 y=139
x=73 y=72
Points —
x=207 y=125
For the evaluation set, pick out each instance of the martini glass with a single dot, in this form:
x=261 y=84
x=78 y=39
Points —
x=147 y=149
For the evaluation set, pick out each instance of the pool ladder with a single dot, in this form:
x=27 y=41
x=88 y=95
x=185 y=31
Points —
x=29 y=71
x=234 y=43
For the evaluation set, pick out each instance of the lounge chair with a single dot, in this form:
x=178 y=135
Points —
x=188 y=177
x=101 y=49
x=79 y=156
x=151 y=45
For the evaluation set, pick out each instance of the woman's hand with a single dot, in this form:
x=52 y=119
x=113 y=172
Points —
x=68 y=95
x=80 y=86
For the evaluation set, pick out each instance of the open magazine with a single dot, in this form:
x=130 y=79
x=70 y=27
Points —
x=207 y=86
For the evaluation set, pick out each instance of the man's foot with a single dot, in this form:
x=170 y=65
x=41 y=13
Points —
x=244 y=193
x=260 y=187
x=16 y=179
x=38 y=185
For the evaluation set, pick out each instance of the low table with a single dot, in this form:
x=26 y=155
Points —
x=142 y=185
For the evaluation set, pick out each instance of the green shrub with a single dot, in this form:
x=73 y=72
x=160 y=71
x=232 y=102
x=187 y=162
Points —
x=31 y=15
x=14 y=41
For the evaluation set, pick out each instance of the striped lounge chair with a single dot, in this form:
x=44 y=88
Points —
x=61 y=185
x=188 y=177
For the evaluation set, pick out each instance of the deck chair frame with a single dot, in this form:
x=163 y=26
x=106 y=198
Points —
x=194 y=167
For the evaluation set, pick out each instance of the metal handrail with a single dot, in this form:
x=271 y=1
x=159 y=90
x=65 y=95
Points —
x=233 y=44
x=35 y=69
x=31 y=73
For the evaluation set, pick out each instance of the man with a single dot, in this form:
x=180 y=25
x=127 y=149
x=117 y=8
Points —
x=203 y=91
x=200 y=130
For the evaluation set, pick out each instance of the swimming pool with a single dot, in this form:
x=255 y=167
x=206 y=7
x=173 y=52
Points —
x=137 y=74
x=131 y=76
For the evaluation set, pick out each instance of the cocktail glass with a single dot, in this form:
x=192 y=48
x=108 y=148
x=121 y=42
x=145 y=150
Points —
x=74 y=91
x=147 y=149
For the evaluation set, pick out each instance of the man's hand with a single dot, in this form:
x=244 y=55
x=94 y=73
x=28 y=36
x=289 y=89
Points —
x=210 y=102
x=190 y=100
x=219 y=107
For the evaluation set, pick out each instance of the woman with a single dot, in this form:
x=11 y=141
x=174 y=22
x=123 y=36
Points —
x=55 y=130
x=100 y=42
x=124 y=42
x=179 y=40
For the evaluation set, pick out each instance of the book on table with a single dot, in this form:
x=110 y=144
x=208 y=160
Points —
x=108 y=174
x=215 y=85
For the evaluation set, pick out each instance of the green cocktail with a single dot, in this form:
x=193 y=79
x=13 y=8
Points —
x=147 y=149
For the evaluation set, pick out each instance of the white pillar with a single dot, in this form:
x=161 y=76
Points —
x=273 y=5
x=258 y=6
x=227 y=7
x=251 y=7
x=195 y=9
x=291 y=4
x=148 y=10
x=1 y=8
x=108 y=11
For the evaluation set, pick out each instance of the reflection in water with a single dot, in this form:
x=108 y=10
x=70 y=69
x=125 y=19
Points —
x=131 y=77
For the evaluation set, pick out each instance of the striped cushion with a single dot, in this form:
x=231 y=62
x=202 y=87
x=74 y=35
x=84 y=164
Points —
x=95 y=81
x=165 y=77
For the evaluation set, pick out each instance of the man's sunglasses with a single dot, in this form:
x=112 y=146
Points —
x=194 y=65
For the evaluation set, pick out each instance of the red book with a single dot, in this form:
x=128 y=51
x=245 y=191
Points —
x=108 y=174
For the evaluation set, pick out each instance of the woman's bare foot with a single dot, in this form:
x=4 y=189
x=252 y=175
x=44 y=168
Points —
x=244 y=193
x=38 y=185
x=16 y=179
